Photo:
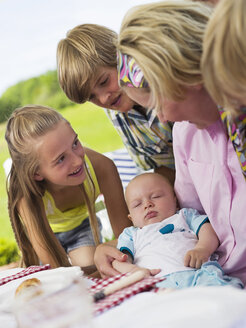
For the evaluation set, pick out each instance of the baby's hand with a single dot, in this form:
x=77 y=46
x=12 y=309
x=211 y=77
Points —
x=196 y=257
x=147 y=272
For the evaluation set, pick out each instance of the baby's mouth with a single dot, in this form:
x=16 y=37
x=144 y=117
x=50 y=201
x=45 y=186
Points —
x=151 y=214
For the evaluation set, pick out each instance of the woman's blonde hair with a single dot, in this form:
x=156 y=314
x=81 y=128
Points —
x=165 y=39
x=224 y=55
x=85 y=48
x=24 y=127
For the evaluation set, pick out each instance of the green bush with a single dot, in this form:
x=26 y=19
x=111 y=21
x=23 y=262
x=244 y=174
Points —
x=6 y=108
x=40 y=90
x=8 y=252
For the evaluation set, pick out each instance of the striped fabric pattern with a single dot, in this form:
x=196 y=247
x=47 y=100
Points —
x=236 y=130
x=125 y=165
x=148 y=141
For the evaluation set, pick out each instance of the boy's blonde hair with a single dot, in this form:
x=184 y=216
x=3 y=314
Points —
x=165 y=39
x=24 y=127
x=85 y=48
x=224 y=55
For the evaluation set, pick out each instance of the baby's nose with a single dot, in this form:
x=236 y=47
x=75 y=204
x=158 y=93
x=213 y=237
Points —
x=148 y=204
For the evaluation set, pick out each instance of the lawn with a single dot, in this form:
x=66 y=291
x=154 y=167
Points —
x=95 y=131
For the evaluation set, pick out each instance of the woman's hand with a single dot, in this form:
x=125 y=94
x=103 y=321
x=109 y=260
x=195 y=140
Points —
x=105 y=254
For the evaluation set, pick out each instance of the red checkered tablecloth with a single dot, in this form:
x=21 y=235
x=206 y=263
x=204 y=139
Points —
x=118 y=297
x=23 y=273
x=147 y=284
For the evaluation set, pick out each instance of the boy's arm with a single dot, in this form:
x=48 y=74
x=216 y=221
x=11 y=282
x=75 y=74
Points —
x=207 y=243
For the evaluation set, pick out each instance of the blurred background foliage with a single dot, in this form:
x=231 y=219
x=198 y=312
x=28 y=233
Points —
x=43 y=90
x=8 y=252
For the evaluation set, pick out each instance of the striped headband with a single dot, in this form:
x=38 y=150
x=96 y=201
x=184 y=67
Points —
x=129 y=73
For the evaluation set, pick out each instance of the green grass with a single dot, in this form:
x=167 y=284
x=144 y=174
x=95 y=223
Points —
x=95 y=131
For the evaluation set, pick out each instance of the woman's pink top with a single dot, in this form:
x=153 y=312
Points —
x=209 y=179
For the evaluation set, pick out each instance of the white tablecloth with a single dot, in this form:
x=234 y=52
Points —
x=219 y=307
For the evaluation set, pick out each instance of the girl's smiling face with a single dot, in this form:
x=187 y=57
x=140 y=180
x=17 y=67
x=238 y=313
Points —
x=61 y=157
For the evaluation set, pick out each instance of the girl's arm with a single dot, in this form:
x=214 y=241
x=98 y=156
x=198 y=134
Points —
x=111 y=187
x=207 y=244
x=34 y=234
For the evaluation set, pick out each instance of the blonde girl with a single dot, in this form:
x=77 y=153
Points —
x=52 y=187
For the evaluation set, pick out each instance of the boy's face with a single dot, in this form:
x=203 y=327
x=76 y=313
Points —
x=150 y=199
x=105 y=91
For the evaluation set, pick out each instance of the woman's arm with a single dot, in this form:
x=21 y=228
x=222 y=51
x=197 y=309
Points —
x=111 y=187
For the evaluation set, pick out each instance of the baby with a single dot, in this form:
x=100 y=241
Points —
x=168 y=242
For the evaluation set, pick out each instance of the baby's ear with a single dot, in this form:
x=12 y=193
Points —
x=129 y=217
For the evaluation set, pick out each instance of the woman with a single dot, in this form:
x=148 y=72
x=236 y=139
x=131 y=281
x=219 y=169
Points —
x=165 y=41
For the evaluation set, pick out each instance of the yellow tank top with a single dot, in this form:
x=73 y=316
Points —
x=72 y=218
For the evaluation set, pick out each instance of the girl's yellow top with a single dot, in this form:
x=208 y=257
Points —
x=72 y=218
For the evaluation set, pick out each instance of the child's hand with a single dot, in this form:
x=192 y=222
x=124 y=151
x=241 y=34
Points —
x=196 y=257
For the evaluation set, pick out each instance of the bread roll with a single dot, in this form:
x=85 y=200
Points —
x=31 y=286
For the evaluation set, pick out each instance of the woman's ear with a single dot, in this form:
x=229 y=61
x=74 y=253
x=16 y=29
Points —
x=38 y=177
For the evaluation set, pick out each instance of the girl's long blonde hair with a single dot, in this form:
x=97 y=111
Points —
x=24 y=126
x=165 y=38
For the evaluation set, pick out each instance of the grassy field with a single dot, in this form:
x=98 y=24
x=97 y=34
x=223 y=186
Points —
x=95 y=131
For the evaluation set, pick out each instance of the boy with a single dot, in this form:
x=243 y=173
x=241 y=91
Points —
x=87 y=71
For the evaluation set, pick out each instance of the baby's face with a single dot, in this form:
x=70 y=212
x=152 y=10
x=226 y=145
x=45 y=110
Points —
x=150 y=199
